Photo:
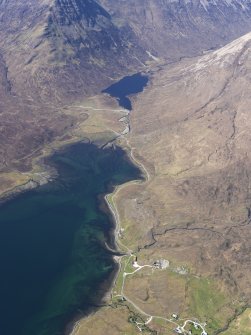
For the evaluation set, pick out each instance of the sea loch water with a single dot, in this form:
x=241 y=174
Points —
x=52 y=254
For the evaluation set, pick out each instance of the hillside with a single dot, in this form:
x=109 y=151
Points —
x=53 y=54
x=179 y=28
x=194 y=209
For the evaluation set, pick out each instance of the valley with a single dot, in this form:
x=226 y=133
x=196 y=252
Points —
x=182 y=232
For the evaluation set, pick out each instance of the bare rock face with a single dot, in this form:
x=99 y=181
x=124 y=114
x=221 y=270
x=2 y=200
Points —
x=177 y=28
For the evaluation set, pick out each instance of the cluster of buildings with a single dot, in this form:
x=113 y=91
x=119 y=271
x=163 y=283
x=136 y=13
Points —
x=161 y=264
x=181 y=330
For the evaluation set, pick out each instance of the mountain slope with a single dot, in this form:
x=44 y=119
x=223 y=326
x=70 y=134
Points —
x=177 y=28
x=54 y=38
x=194 y=208
x=53 y=53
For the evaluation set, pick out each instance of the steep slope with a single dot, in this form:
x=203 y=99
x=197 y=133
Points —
x=190 y=130
x=53 y=54
x=176 y=28
x=49 y=40
x=56 y=52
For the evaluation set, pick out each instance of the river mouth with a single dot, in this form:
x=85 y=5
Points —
x=125 y=87
x=52 y=242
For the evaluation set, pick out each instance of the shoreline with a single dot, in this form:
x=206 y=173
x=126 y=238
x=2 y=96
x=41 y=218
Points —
x=46 y=172
x=115 y=219
x=32 y=183
x=112 y=244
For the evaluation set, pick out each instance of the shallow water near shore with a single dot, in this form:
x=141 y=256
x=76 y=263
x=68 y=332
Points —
x=52 y=255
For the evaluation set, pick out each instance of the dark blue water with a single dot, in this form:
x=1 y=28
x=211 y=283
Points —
x=52 y=254
x=125 y=87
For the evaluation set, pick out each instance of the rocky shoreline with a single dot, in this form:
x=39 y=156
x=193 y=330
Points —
x=37 y=179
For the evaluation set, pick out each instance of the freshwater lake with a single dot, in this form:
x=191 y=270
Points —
x=125 y=87
x=52 y=254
